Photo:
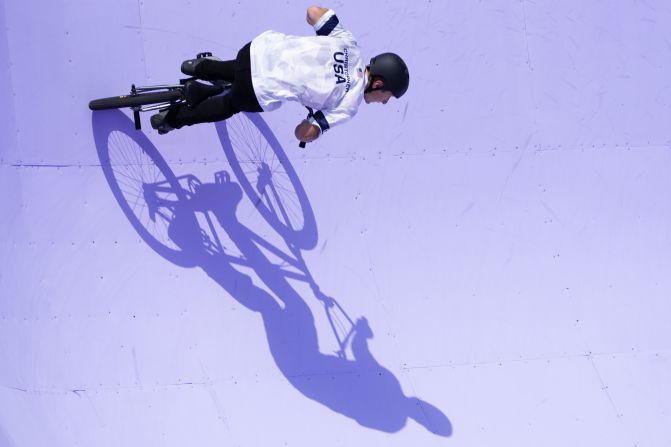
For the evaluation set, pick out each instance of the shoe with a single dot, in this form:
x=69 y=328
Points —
x=190 y=67
x=158 y=122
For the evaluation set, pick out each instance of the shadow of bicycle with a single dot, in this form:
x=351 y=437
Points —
x=181 y=217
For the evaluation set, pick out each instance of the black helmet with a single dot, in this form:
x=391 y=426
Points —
x=394 y=72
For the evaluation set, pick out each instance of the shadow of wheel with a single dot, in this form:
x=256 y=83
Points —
x=144 y=186
x=268 y=178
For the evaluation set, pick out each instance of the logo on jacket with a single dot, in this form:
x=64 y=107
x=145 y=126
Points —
x=341 y=68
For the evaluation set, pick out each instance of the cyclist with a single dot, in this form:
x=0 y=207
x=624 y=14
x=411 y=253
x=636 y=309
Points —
x=325 y=72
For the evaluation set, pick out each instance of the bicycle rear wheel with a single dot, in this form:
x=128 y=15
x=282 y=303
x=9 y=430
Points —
x=141 y=99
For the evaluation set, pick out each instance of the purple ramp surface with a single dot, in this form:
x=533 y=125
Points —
x=482 y=262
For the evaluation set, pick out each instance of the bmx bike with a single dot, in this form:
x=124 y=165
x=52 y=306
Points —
x=160 y=97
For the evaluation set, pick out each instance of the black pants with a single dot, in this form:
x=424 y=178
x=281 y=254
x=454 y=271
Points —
x=240 y=97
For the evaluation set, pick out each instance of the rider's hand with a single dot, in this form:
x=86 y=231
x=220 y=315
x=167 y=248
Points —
x=315 y=13
x=307 y=132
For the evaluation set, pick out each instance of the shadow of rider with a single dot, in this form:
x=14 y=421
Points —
x=360 y=388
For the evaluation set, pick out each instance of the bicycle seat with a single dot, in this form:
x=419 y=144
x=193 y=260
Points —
x=196 y=92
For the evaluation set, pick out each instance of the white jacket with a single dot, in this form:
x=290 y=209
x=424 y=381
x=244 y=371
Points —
x=325 y=72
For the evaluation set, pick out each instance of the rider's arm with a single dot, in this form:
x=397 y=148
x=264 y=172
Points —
x=307 y=131
x=310 y=129
x=315 y=13
x=343 y=112
x=325 y=22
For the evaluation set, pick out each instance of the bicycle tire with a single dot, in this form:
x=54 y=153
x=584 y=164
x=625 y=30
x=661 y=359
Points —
x=141 y=99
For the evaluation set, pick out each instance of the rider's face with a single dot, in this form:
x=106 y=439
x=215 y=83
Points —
x=381 y=96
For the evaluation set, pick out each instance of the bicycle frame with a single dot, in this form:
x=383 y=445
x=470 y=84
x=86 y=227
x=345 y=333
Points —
x=136 y=110
x=167 y=87
x=162 y=105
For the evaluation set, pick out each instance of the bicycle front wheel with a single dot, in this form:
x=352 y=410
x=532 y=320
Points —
x=141 y=99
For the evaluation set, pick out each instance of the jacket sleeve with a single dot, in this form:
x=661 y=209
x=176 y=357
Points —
x=329 y=25
x=342 y=113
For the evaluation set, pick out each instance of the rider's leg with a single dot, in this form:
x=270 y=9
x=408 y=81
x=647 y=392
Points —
x=240 y=98
x=210 y=69
x=243 y=89
x=212 y=109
